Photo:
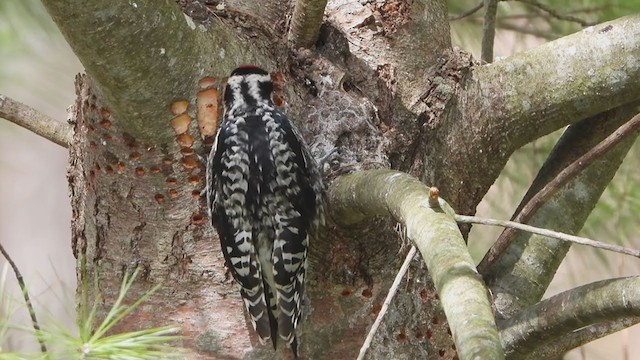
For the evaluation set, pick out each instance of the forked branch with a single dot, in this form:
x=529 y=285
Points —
x=507 y=236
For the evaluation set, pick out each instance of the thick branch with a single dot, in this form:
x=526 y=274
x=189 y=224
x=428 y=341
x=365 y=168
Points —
x=630 y=129
x=562 y=314
x=577 y=76
x=33 y=120
x=145 y=54
x=366 y=194
x=555 y=348
x=516 y=279
x=305 y=22
x=509 y=103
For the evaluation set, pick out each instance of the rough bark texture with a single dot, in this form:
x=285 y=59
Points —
x=382 y=87
x=134 y=207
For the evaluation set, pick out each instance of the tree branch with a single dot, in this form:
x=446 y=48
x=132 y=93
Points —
x=27 y=299
x=537 y=5
x=554 y=13
x=555 y=348
x=366 y=194
x=548 y=233
x=35 y=121
x=516 y=100
x=547 y=35
x=139 y=74
x=489 y=30
x=523 y=29
x=516 y=279
x=562 y=314
x=507 y=236
x=577 y=76
x=305 y=23
x=469 y=12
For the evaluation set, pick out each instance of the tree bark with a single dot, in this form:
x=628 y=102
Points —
x=403 y=98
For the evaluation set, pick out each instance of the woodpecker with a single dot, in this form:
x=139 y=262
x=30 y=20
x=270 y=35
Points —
x=265 y=198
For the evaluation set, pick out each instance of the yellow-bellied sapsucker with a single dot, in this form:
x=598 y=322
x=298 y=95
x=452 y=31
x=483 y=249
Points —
x=265 y=195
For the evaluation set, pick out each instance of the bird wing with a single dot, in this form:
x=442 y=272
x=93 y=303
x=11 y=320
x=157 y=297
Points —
x=232 y=221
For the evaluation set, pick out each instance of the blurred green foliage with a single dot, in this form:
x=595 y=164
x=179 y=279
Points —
x=98 y=339
x=20 y=22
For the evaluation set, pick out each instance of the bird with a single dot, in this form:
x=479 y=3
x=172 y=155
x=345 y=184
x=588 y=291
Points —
x=265 y=198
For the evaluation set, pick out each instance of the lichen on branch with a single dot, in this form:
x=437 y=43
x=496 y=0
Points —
x=356 y=197
x=564 y=313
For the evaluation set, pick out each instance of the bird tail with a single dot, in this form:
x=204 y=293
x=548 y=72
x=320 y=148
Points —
x=258 y=313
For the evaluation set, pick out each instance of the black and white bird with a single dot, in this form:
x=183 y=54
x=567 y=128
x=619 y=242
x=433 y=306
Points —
x=265 y=196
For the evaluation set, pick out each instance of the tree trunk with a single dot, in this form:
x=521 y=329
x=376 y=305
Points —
x=383 y=87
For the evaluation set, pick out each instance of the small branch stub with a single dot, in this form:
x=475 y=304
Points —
x=434 y=195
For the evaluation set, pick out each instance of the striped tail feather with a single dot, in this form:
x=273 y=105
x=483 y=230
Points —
x=258 y=313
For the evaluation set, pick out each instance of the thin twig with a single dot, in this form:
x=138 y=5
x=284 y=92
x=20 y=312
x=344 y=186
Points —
x=27 y=300
x=469 y=12
x=506 y=238
x=523 y=30
x=387 y=301
x=548 y=233
x=489 y=30
x=587 y=9
x=31 y=119
x=506 y=25
x=538 y=5
x=584 y=10
x=554 y=13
